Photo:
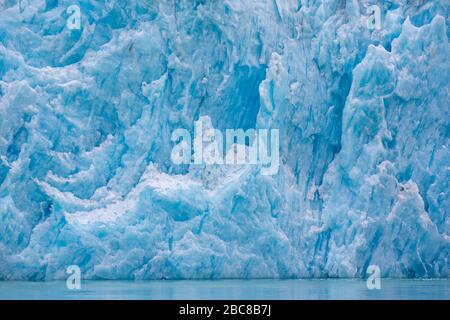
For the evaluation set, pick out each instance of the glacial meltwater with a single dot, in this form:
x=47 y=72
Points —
x=329 y=289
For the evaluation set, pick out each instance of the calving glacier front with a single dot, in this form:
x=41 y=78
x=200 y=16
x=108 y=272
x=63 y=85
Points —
x=86 y=118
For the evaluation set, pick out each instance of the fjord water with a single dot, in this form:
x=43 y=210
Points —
x=327 y=289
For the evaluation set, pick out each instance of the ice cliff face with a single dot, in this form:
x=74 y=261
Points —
x=86 y=118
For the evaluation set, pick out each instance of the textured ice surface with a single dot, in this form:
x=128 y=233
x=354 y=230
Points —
x=86 y=118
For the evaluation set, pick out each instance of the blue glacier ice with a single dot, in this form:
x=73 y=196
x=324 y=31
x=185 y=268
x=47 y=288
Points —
x=86 y=117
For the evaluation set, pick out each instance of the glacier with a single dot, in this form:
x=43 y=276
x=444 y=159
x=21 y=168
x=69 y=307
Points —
x=86 y=117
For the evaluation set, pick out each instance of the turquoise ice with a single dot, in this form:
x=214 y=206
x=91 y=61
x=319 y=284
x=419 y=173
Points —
x=86 y=117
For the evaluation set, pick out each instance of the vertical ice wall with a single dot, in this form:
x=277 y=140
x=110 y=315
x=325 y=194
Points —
x=86 y=118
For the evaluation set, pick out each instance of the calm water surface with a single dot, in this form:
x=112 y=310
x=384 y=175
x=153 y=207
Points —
x=229 y=289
